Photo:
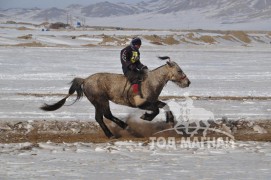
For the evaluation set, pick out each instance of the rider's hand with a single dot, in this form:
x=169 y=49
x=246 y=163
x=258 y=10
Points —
x=144 y=70
x=144 y=67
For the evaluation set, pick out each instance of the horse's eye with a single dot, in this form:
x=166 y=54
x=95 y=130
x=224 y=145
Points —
x=180 y=71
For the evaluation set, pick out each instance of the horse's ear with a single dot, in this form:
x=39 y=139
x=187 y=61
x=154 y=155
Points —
x=170 y=63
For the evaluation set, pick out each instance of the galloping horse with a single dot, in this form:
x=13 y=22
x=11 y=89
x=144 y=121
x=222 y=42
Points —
x=100 y=88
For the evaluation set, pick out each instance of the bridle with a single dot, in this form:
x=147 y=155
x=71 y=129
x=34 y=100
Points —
x=183 y=77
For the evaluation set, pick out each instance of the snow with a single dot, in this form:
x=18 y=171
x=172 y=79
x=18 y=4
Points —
x=214 y=70
x=238 y=71
x=223 y=15
x=133 y=160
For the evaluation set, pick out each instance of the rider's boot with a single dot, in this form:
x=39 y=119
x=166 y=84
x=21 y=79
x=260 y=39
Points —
x=138 y=99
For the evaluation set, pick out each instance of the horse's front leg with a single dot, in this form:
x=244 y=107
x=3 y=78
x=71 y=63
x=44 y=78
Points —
x=169 y=114
x=154 y=107
x=150 y=116
x=150 y=107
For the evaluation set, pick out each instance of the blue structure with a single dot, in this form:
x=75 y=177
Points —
x=78 y=24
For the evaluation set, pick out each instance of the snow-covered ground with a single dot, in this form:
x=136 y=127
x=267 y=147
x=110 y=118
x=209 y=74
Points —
x=31 y=76
x=238 y=71
x=133 y=160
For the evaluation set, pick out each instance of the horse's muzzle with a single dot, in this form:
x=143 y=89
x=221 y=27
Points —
x=188 y=83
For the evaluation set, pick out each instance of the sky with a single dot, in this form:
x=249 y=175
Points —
x=5 y=4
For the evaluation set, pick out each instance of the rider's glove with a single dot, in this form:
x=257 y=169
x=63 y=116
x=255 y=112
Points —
x=144 y=70
x=144 y=67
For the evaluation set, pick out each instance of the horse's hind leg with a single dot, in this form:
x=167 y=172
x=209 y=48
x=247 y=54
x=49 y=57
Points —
x=109 y=115
x=99 y=119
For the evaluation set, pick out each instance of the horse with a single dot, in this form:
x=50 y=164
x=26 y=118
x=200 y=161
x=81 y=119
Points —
x=100 y=88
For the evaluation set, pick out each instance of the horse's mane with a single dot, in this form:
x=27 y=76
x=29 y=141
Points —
x=159 y=67
x=163 y=58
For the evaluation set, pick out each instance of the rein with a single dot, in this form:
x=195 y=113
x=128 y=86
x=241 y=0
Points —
x=127 y=91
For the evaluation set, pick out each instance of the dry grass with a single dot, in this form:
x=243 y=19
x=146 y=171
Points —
x=23 y=28
x=44 y=24
x=154 y=39
x=124 y=40
x=83 y=35
x=31 y=44
x=157 y=43
x=207 y=39
x=170 y=40
x=190 y=36
x=110 y=39
x=29 y=36
x=89 y=45
x=241 y=35
x=227 y=37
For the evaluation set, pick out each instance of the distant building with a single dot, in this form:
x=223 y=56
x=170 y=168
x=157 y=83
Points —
x=78 y=24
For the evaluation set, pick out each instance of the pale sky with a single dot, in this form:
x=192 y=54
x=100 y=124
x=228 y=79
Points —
x=5 y=4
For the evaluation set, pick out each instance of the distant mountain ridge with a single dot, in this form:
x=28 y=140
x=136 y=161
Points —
x=180 y=11
x=50 y=13
x=105 y=9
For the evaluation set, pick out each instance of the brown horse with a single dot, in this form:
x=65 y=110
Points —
x=100 y=88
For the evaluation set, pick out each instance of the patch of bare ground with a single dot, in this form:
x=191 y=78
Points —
x=170 y=40
x=23 y=28
x=89 y=45
x=154 y=39
x=158 y=40
x=28 y=36
x=31 y=44
x=207 y=39
x=241 y=35
x=227 y=37
x=44 y=24
x=109 y=40
x=138 y=130
x=204 y=38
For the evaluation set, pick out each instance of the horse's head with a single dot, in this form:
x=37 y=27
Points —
x=176 y=74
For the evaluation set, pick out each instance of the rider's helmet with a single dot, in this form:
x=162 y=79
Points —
x=136 y=41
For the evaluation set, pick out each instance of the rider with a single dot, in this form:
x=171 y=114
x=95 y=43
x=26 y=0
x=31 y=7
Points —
x=133 y=69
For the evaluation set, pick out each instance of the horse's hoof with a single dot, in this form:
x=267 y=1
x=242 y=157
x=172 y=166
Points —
x=146 y=117
x=143 y=117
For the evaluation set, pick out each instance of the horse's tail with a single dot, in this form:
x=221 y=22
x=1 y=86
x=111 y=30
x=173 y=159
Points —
x=164 y=57
x=76 y=86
